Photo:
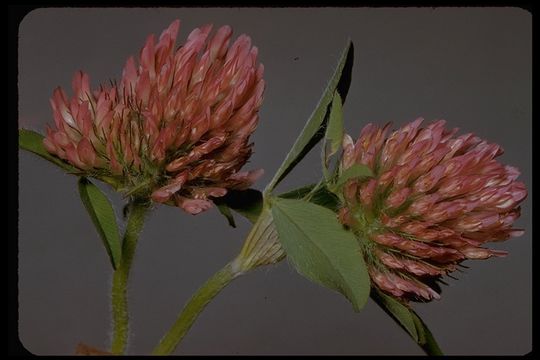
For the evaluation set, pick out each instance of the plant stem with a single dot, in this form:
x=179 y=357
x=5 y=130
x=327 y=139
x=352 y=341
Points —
x=193 y=308
x=261 y=247
x=137 y=213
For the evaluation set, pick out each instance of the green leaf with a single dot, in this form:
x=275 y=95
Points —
x=298 y=193
x=102 y=214
x=32 y=141
x=334 y=131
x=426 y=339
x=409 y=321
x=397 y=311
x=315 y=127
x=226 y=211
x=321 y=249
x=355 y=171
x=322 y=196
x=248 y=203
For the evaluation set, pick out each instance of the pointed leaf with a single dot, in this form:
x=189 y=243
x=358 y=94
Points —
x=102 y=214
x=399 y=312
x=355 y=171
x=32 y=141
x=322 y=196
x=247 y=203
x=297 y=193
x=226 y=211
x=321 y=249
x=315 y=127
x=426 y=339
x=334 y=130
x=409 y=321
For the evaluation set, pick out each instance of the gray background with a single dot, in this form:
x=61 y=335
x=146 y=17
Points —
x=470 y=66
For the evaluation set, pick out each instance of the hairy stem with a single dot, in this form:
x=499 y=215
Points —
x=194 y=307
x=261 y=247
x=137 y=213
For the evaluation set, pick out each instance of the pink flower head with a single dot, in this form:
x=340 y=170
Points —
x=434 y=201
x=177 y=126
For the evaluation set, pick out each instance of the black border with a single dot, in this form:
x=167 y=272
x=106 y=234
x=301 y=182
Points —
x=16 y=13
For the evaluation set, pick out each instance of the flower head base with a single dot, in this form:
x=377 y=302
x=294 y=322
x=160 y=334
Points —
x=176 y=128
x=433 y=201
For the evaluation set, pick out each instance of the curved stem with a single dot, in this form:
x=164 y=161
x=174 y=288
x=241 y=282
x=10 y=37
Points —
x=120 y=316
x=261 y=247
x=193 y=308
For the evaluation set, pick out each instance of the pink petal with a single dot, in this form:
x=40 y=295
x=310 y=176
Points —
x=193 y=206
